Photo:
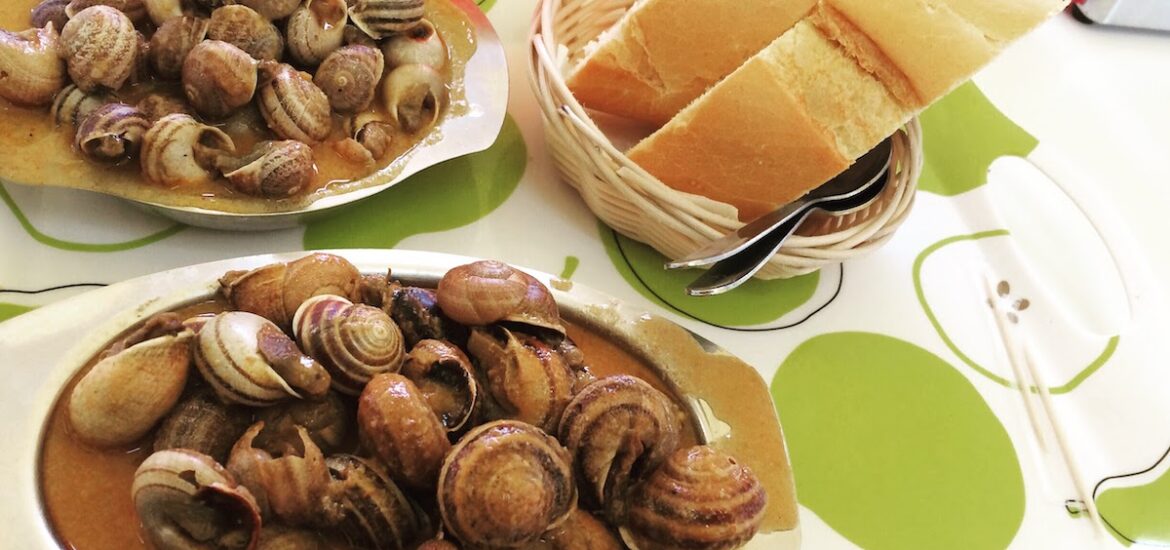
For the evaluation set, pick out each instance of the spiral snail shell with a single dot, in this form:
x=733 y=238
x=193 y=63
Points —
x=355 y=342
x=417 y=312
x=100 y=47
x=580 y=531
x=527 y=377
x=178 y=150
x=699 y=498
x=273 y=10
x=315 y=30
x=156 y=106
x=34 y=73
x=328 y=422
x=380 y=18
x=350 y=77
x=173 y=41
x=276 y=291
x=201 y=423
x=414 y=95
x=72 y=106
x=397 y=424
x=50 y=11
x=275 y=169
x=504 y=484
x=420 y=45
x=488 y=291
x=161 y=11
x=372 y=135
x=218 y=78
x=247 y=30
x=134 y=9
x=293 y=484
x=375 y=512
x=113 y=133
x=446 y=379
x=292 y=105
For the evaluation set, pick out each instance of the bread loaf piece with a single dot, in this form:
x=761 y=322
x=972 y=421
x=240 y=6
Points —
x=665 y=53
x=827 y=91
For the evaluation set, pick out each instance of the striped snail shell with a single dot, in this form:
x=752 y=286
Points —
x=201 y=422
x=273 y=10
x=381 y=18
x=218 y=78
x=315 y=30
x=504 y=484
x=355 y=342
x=134 y=9
x=350 y=77
x=293 y=483
x=113 y=133
x=421 y=45
x=276 y=291
x=72 y=105
x=34 y=72
x=488 y=291
x=100 y=47
x=414 y=95
x=247 y=30
x=375 y=512
x=292 y=105
x=447 y=381
x=178 y=150
x=527 y=378
x=397 y=424
x=676 y=506
x=173 y=41
x=276 y=169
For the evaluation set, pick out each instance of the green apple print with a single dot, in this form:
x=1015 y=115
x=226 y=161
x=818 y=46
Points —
x=446 y=196
x=8 y=311
x=894 y=448
x=1137 y=513
x=72 y=246
x=755 y=303
x=485 y=5
x=962 y=134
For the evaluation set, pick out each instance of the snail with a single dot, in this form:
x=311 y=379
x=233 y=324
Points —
x=355 y=342
x=527 y=378
x=315 y=30
x=71 y=106
x=275 y=169
x=173 y=41
x=272 y=10
x=414 y=96
x=155 y=106
x=350 y=77
x=161 y=11
x=371 y=138
x=446 y=380
x=201 y=423
x=293 y=483
x=504 y=484
x=488 y=291
x=380 y=18
x=292 y=106
x=580 y=531
x=328 y=422
x=396 y=424
x=100 y=47
x=417 y=312
x=276 y=291
x=134 y=9
x=420 y=45
x=375 y=512
x=247 y=30
x=50 y=11
x=180 y=151
x=34 y=72
x=218 y=78
x=112 y=133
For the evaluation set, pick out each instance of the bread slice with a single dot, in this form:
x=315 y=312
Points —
x=820 y=96
x=665 y=53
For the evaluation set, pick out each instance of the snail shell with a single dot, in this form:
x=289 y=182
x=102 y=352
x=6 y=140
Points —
x=375 y=512
x=293 y=484
x=446 y=379
x=100 y=47
x=125 y=395
x=187 y=500
x=355 y=342
x=292 y=105
x=248 y=360
x=350 y=76
x=581 y=531
x=247 y=30
x=273 y=10
x=373 y=135
x=218 y=78
x=280 y=537
x=699 y=498
x=417 y=312
x=420 y=45
x=527 y=377
x=134 y=9
x=178 y=151
x=156 y=106
x=275 y=169
x=354 y=35
x=327 y=421
x=34 y=73
x=161 y=11
x=488 y=291
x=173 y=41
x=414 y=95
x=276 y=291
x=50 y=11
x=201 y=423
x=380 y=18
x=618 y=430
x=112 y=133
x=72 y=106
x=504 y=484
x=315 y=30
x=397 y=424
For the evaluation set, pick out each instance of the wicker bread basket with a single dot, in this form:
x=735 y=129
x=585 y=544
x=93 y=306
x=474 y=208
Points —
x=638 y=205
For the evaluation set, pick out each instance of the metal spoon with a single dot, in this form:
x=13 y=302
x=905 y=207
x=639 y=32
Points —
x=740 y=254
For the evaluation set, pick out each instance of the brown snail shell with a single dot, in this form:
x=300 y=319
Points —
x=380 y=18
x=355 y=342
x=677 y=506
x=218 y=78
x=123 y=396
x=161 y=11
x=315 y=30
x=350 y=77
x=524 y=375
x=618 y=430
x=185 y=499
x=247 y=30
x=328 y=422
x=72 y=106
x=415 y=96
x=112 y=133
x=34 y=72
x=203 y=424
x=354 y=35
x=580 y=531
x=280 y=537
x=375 y=512
x=272 y=10
x=100 y=47
x=156 y=106
x=293 y=484
x=504 y=484
x=275 y=169
x=276 y=291
x=248 y=360
x=50 y=11
x=372 y=134
x=446 y=379
x=396 y=424
x=292 y=105
x=134 y=9
x=488 y=291
x=173 y=41
x=178 y=150
x=417 y=312
x=420 y=45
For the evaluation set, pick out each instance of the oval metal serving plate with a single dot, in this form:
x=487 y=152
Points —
x=43 y=349
x=485 y=88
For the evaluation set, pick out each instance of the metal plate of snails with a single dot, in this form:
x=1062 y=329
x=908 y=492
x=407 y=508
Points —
x=454 y=403
x=244 y=115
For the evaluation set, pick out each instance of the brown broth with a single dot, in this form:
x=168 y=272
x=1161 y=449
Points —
x=34 y=151
x=86 y=491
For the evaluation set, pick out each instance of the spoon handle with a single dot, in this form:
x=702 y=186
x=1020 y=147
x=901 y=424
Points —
x=730 y=273
x=736 y=241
